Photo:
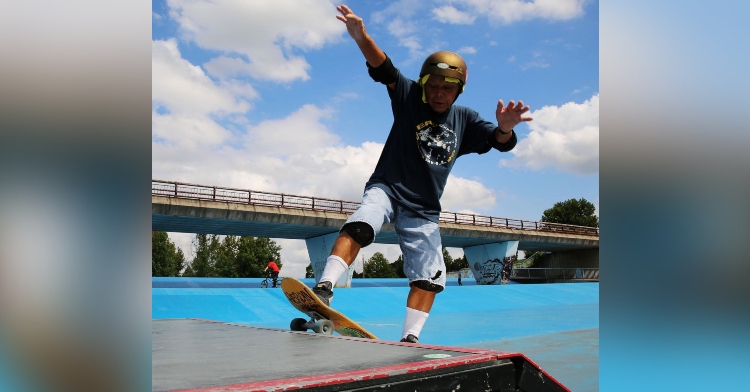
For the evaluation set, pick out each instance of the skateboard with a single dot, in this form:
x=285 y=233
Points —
x=323 y=319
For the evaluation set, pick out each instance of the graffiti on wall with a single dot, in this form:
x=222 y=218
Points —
x=494 y=271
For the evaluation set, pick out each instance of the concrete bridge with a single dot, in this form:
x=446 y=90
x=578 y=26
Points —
x=192 y=208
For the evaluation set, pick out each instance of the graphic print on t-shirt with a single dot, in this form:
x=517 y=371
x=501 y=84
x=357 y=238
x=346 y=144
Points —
x=436 y=142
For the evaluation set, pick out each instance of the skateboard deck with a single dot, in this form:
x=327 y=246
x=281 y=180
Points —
x=303 y=298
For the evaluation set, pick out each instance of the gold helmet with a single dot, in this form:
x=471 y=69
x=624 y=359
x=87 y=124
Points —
x=446 y=64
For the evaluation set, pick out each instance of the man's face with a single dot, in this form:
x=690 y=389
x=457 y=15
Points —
x=439 y=93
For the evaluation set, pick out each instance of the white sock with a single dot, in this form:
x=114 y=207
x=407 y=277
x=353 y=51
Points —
x=414 y=322
x=335 y=266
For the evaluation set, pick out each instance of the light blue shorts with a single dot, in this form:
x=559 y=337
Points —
x=419 y=238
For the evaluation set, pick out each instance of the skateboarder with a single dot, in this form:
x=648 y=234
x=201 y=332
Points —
x=274 y=271
x=428 y=133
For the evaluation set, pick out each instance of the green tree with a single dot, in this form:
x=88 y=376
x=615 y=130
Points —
x=226 y=256
x=202 y=266
x=309 y=271
x=457 y=264
x=188 y=271
x=447 y=258
x=179 y=262
x=253 y=255
x=529 y=258
x=573 y=212
x=232 y=257
x=378 y=267
x=398 y=266
x=166 y=258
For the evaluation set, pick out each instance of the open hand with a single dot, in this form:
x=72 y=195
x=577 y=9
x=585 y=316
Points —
x=354 y=24
x=508 y=117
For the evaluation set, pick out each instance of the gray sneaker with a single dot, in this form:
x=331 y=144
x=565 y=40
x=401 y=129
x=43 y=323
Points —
x=410 y=339
x=324 y=291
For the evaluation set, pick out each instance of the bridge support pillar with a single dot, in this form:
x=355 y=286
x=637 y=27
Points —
x=318 y=248
x=491 y=263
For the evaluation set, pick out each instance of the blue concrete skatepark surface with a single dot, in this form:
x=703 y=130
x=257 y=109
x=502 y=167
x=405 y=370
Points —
x=556 y=325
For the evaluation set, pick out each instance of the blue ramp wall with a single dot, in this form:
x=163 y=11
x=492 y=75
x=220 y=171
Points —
x=460 y=316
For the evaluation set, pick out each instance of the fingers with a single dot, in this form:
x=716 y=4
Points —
x=344 y=10
x=519 y=108
x=512 y=114
x=347 y=15
x=512 y=106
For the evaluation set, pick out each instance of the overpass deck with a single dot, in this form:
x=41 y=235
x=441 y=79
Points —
x=190 y=208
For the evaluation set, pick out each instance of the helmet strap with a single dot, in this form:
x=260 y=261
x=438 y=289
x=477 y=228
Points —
x=423 y=81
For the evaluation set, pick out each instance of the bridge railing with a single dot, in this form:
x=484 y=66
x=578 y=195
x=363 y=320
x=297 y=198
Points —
x=183 y=190
x=564 y=274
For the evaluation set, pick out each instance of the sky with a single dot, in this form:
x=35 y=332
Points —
x=275 y=97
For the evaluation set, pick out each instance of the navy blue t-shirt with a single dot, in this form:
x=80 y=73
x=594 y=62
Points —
x=423 y=146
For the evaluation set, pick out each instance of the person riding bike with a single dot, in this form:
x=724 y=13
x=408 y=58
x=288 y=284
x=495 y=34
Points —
x=274 y=271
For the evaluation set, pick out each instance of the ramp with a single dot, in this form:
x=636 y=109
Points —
x=210 y=356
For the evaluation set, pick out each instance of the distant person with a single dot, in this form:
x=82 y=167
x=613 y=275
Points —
x=507 y=268
x=428 y=134
x=274 y=271
x=459 y=278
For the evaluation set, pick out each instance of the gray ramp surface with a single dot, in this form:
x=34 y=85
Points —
x=191 y=353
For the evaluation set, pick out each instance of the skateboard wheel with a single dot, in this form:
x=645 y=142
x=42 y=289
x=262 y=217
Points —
x=323 y=326
x=298 y=324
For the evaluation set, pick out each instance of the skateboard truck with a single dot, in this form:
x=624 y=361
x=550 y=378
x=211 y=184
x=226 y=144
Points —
x=317 y=323
x=323 y=318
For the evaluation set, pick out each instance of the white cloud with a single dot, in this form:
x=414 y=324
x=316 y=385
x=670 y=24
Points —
x=462 y=193
x=538 y=62
x=565 y=138
x=187 y=102
x=183 y=241
x=258 y=38
x=541 y=63
x=189 y=132
x=296 y=154
x=468 y=50
x=182 y=87
x=509 y=11
x=298 y=133
x=294 y=257
x=449 y=14
x=400 y=18
x=227 y=67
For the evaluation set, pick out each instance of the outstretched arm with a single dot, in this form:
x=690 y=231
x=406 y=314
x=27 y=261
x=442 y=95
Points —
x=507 y=119
x=356 y=28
